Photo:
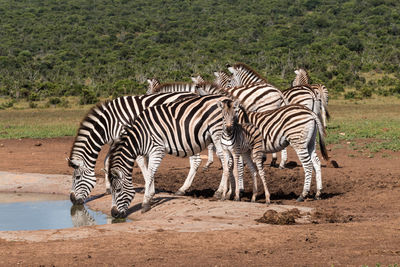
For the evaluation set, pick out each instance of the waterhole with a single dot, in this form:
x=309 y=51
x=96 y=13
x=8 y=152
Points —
x=29 y=211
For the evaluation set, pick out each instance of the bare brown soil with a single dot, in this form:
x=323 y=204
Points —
x=356 y=222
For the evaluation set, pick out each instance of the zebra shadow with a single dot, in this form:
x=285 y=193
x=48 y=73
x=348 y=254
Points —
x=94 y=197
x=155 y=202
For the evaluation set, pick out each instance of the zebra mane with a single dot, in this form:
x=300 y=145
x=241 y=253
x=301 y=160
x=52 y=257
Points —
x=173 y=87
x=94 y=111
x=248 y=69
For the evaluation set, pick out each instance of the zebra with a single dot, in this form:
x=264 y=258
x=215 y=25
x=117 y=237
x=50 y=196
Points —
x=302 y=78
x=153 y=83
x=102 y=125
x=294 y=125
x=182 y=129
x=243 y=140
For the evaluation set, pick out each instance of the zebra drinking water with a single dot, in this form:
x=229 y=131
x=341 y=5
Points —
x=101 y=126
x=182 y=129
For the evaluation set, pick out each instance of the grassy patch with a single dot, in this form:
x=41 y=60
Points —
x=40 y=123
x=375 y=120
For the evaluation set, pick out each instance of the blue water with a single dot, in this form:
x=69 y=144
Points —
x=53 y=214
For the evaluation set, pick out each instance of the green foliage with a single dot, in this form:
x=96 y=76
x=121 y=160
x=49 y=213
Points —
x=49 y=48
x=88 y=96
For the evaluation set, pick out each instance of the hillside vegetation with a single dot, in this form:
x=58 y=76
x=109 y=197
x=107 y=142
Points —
x=93 y=48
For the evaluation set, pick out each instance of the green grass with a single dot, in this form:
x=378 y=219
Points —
x=40 y=123
x=368 y=125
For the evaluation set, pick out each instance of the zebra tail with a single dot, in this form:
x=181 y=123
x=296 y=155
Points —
x=328 y=116
x=322 y=134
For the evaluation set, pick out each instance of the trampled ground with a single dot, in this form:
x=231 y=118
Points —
x=357 y=221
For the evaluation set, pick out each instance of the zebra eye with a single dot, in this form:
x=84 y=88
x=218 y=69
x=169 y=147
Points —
x=118 y=190
x=78 y=177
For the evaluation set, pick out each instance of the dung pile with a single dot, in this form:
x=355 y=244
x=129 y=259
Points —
x=329 y=216
x=281 y=218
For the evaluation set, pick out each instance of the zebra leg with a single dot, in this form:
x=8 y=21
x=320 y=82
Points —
x=306 y=161
x=283 y=159
x=195 y=161
x=226 y=173
x=210 y=158
x=317 y=165
x=154 y=162
x=274 y=160
x=221 y=154
x=253 y=171
x=236 y=175
x=106 y=167
x=241 y=174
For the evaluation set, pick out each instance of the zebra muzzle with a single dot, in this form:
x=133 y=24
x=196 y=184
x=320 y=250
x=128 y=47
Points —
x=116 y=214
x=74 y=200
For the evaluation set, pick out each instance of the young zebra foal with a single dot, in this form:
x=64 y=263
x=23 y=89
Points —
x=242 y=140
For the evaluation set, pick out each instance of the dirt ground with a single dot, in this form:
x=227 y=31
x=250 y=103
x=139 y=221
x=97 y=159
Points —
x=357 y=221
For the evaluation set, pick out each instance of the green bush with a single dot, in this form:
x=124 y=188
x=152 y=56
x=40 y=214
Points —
x=88 y=96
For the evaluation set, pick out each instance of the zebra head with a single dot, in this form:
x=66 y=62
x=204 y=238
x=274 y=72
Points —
x=83 y=181
x=153 y=83
x=229 y=112
x=222 y=79
x=301 y=77
x=122 y=192
x=197 y=80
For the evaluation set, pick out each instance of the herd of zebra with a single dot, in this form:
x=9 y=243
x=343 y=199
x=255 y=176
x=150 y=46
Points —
x=240 y=116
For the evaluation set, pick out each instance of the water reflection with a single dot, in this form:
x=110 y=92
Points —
x=30 y=212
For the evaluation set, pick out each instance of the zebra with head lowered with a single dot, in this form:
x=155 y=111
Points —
x=302 y=78
x=182 y=129
x=101 y=126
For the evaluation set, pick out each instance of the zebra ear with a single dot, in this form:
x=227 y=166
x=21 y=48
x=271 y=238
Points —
x=232 y=70
x=149 y=81
x=216 y=74
x=194 y=79
x=297 y=72
x=220 y=104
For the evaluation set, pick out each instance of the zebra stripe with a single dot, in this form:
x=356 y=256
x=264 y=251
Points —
x=181 y=129
x=222 y=79
x=243 y=140
x=298 y=126
x=100 y=126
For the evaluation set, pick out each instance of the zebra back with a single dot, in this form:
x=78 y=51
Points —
x=182 y=129
x=303 y=95
x=285 y=123
x=103 y=123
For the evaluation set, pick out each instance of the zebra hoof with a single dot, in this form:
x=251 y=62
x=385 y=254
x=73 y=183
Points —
x=282 y=167
x=218 y=195
x=300 y=199
x=236 y=199
x=108 y=191
x=317 y=197
x=146 y=207
x=179 y=193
